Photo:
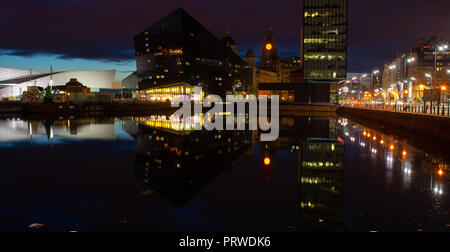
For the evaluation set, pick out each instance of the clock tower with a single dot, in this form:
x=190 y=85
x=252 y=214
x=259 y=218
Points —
x=269 y=58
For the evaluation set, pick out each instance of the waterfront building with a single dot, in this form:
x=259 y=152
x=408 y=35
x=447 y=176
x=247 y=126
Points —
x=288 y=66
x=411 y=72
x=250 y=59
x=178 y=51
x=324 y=45
x=14 y=82
x=131 y=82
x=377 y=82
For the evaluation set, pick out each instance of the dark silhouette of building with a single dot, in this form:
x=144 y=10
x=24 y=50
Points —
x=178 y=51
x=325 y=45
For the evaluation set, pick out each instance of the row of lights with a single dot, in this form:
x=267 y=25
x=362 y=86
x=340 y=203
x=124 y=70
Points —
x=382 y=143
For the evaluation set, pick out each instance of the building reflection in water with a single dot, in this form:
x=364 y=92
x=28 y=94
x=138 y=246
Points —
x=176 y=161
x=86 y=128
x=321 y=169
x=321 y=185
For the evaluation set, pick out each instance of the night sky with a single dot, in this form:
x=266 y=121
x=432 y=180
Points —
x=98 y=34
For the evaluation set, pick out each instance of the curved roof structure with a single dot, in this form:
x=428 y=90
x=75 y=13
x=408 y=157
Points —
x=14 y=82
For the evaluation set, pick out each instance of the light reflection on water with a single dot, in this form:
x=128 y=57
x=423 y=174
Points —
x=156 y=174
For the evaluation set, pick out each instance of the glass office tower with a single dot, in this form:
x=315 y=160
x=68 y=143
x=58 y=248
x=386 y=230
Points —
x=325 y=44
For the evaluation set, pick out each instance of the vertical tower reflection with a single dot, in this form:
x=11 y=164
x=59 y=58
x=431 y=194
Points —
x=321 y=185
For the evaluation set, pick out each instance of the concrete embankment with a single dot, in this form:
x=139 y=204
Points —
x=135 y=109
x=308 y=110
x=10 y=107
x=437 y=126
x=74 y=109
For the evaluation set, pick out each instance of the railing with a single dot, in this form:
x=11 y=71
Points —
x=442 y=109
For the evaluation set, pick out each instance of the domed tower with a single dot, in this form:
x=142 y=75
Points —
x=229 y=42
x=269 y=58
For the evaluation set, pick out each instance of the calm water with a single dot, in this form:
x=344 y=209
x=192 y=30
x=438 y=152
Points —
x=148 y=174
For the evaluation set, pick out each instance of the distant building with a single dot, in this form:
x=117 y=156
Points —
x=377 y=82
x=250 y=59
x=360 y=81
x=177 y=53
x=131 y=82
x=413 y=71
x=289 y=66
x=14 y=82
x=265 y=76
x=325 y=45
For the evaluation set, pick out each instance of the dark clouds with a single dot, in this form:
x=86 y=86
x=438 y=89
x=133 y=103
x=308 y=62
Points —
x=104 y=29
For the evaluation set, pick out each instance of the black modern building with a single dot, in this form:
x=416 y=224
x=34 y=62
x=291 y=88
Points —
x=177 y=53
x=325 y=45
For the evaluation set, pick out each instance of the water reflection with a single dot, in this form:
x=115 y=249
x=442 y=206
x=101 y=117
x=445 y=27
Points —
x=322 y=185
x=224 y=180
x=86 y=128
x=398 y=152
x=177 y=162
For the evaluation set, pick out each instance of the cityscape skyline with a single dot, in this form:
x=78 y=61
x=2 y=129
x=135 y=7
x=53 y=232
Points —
x=105 y=41
x=197 y=121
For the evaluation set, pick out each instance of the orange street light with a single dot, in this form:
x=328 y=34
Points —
x=267 y=161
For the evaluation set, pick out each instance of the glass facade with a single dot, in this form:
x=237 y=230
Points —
x=325 y=39
x=178 y=49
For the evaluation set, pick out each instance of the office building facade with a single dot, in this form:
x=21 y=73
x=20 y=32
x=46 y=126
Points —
x=410 y=73
x=324 y=45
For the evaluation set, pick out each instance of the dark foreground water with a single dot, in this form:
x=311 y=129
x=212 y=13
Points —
x=148 y=174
